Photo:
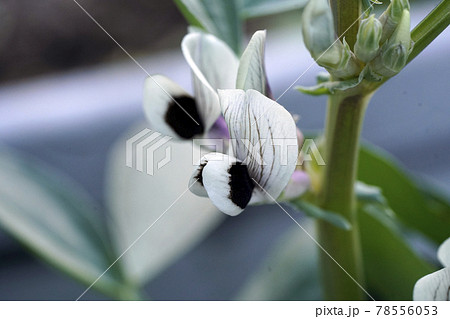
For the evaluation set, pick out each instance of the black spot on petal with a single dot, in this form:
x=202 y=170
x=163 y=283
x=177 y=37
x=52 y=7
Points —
x=241 y=185
x=178 y=119
x=199 y=176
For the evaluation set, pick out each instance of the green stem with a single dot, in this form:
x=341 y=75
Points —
x=342 y=132
x=346 y=18
x=430 y=27
x=344 y=121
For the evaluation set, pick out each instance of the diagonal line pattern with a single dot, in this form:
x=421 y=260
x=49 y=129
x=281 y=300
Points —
x=132 y=58
x=314 y=62
x=134 y=242
x=316 y=242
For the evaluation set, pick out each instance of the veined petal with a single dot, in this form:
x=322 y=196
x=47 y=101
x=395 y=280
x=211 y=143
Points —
x=435 y=286
x=444 y=253
x=170 y=109
x=225 y=180
x=214 y=66
x=252 y=71
x=263 y=136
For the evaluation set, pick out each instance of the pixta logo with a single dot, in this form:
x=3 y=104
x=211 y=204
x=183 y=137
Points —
x=141 y=150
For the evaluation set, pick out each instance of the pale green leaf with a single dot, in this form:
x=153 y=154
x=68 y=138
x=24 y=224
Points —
x=259 y=8
x=55 y=220
x=220 y=18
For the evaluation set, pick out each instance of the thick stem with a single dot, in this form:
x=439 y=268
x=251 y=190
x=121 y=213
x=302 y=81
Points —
x=344 y=122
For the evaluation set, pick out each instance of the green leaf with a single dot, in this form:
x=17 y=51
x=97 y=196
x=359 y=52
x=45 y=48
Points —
x=158 y=209
x=369 y=194
x=259 y=8
x=220 y=18
x=289 y=272
x=429 y=214
x=56 y=221
x=329 y=87
x=391 y=266
x=317 y=212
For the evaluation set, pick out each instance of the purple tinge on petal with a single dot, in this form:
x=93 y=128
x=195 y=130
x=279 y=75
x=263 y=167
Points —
x=300 y=138
x=298 y=184
x=219 y=129
x=217 y=138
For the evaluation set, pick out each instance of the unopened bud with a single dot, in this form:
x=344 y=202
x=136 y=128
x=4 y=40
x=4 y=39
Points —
x=347 y=66
x=317 y=27
x=368 y=39
x=395 y=52
x=320 y=39
x=391 y=17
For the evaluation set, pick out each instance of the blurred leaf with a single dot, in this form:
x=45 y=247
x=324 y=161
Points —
x=391 y=267
x=369 y=194
x=437 y=201
x=136 y=200
x=418 y=208
x=220 y=18
x=316 y=212
x=290 y=271
x=55 y=220
x=259 y=8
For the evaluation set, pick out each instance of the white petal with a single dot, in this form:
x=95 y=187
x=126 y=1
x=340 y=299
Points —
x=195 y=182
x=444 y=253
x=170 y=109
x=226 y=182
x=136 y=200
x=252 y=72
x=263 y=135
x=435 y=286
x=214 y=66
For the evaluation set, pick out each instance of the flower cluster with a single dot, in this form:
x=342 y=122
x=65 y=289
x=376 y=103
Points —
x=381 y=49
x=232 y=101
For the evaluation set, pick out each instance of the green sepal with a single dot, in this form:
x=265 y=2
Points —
x=318 y=213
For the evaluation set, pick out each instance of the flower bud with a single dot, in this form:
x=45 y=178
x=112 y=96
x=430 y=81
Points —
x=368 y=39
x=391 y=17
x=318 y=27
x=394 y=53
x=320 y=39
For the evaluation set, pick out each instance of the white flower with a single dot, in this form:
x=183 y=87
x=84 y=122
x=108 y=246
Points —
x=174 y=112
x=436 y=286
x=264 y=152
x=231 y=102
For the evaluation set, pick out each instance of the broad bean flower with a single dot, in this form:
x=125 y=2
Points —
x=231 y=101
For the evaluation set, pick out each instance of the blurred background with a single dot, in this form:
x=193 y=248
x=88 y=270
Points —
x=68 y=92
